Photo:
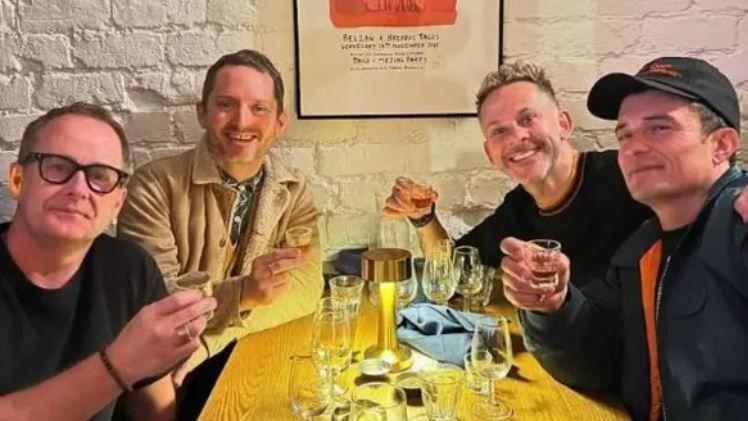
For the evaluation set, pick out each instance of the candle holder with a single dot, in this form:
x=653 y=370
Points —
x=386 y=267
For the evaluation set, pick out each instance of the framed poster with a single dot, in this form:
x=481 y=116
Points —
x=393 y=58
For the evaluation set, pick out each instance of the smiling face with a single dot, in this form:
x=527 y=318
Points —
x=241 y=117
x=663 y=152
x=524 y=131
x=68 y=212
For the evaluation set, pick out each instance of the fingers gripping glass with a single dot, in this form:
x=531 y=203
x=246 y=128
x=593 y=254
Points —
x=58 y=169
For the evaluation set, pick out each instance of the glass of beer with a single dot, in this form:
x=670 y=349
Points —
x=300 y=238
x=543 y=257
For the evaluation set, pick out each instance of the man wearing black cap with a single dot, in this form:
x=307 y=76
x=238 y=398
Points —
x=669 y=324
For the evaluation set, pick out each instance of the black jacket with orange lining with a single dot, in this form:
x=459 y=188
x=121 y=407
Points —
x=598 y=338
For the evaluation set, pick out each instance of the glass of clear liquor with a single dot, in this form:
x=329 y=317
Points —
x=300 y=238
x=307 y=389
x=543 y=257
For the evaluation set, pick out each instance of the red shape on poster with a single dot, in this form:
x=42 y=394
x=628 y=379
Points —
x=363 y=13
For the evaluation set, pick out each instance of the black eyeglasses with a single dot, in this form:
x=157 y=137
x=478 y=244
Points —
x=58 y=169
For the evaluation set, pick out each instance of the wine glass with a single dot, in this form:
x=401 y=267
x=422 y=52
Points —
x=437 y=281
x=490 y=278
x=307 y=389
x=491 y=355
x=468 y=272
x=332 y=344
x=406 y=292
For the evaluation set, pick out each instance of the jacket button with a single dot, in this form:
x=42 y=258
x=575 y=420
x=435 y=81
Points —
x=222 y=243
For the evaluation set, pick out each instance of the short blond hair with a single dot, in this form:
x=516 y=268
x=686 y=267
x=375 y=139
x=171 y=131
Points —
x=510 y=73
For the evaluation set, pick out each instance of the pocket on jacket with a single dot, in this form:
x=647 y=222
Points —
x=688 y=304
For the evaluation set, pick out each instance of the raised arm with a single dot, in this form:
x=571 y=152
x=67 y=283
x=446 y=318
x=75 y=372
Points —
x=400 y=204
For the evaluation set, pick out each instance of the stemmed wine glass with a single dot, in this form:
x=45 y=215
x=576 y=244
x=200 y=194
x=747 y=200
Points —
x=307 y=389
x=491 y=355
x=468 y=272
x=438 y=281
x=332 y=344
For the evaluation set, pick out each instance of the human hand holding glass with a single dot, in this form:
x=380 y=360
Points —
x=520 y=287
x=199 y=281
x=491 y=355
x=543 y=259
x=300 y=238
x=410 y=199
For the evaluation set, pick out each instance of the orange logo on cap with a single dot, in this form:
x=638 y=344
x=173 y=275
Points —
x=660 y=68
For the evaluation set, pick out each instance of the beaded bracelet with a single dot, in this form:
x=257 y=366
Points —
x=112 y=372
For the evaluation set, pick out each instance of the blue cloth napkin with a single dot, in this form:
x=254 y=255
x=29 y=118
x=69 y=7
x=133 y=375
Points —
x=439 y=332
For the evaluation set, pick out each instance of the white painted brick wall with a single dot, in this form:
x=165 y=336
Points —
x=146 y=59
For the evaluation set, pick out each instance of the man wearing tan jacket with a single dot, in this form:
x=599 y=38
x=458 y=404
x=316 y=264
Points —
x=224 y=207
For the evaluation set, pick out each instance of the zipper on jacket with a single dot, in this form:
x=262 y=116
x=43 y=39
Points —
x=658 y=300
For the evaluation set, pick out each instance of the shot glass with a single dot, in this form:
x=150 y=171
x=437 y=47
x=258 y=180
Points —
x=440 y=388
x=422 y=196
x=300 y=238
x=199 y=281
x=476 y=382
x=543 y=257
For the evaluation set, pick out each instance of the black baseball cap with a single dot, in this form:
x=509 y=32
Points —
x=686 y=77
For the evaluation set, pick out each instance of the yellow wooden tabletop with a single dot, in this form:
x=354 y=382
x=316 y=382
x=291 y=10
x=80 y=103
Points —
x=254 y=382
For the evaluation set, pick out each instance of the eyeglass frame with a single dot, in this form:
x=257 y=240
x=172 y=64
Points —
x=39 y=157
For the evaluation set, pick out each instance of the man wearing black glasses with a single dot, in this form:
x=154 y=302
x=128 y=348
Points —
x=83 y=316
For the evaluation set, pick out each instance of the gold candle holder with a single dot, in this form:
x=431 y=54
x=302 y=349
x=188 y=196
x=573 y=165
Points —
x=386 y=267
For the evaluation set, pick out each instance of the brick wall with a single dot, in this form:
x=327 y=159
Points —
x=145 y=59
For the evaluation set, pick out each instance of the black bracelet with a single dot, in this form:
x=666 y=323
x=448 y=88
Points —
x=112 y=372
x=424 y=220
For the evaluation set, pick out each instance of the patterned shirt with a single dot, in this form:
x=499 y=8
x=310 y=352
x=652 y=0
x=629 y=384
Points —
x=245 y=191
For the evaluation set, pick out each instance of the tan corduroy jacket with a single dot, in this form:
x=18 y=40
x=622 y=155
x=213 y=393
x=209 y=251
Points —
x=180 y=211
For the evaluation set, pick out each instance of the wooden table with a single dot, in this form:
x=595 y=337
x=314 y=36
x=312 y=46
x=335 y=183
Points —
x=254 y=382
